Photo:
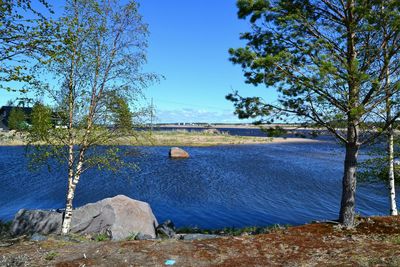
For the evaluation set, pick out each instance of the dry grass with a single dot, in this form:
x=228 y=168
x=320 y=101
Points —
x=10 y=139
x=186 y=138
x=173 y=138
x=161 y=138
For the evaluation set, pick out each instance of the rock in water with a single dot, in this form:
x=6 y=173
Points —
x=212 y=131
x=118 y=217
x=178 y=153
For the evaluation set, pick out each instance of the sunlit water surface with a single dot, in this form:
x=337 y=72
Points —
x=216 y=187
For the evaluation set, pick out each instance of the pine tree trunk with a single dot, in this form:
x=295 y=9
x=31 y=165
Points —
x=347 y=206
x=392 y=192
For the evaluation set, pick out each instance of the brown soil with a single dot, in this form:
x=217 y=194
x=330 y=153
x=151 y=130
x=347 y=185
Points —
x=374 y=242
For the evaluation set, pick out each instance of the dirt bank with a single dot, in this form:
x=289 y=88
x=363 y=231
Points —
x=374 y=242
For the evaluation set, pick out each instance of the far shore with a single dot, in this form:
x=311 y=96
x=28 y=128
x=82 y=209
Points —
x=178 y=138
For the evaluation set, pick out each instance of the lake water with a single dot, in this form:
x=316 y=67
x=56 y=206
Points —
x=217 y=187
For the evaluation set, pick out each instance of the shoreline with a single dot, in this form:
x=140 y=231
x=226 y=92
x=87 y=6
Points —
x=181 y=138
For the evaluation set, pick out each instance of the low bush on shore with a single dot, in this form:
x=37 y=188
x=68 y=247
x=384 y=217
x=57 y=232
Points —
x=5 y=228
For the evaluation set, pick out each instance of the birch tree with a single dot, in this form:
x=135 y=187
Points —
x=325 y=60
x=390 y=60
x=102 y=51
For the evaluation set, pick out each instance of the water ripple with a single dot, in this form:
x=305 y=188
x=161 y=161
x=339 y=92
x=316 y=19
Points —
x=217 y=187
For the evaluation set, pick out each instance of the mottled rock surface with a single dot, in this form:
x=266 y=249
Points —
x=166 y=229
x=178 y=153
x=36 y=221
x=119 y=217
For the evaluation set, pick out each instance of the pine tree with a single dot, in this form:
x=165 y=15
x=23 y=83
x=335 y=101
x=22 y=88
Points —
x=324 y=57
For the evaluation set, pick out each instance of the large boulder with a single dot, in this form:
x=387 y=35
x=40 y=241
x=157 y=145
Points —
x=178 y=153
x=119 y=217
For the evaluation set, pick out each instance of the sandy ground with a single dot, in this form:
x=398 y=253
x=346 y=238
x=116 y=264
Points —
x=374 y=242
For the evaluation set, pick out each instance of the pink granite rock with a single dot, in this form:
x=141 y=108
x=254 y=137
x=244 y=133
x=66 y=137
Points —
x=178 y=153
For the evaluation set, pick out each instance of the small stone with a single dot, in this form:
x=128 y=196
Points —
x=141 y=236
x=38 y=237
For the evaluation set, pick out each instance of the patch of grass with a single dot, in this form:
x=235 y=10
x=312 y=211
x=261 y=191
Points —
x=395 y=239
x=101 y=237
x=51 y=256
x=132 y=236
x=374 y=261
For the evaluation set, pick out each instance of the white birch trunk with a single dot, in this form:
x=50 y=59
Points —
x=392 y=189
x=390 y=135
x=66 y=226
x=68 y=209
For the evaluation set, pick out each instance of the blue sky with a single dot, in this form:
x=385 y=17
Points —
x=188 y=44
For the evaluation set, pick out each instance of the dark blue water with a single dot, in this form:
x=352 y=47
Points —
x=217 y=187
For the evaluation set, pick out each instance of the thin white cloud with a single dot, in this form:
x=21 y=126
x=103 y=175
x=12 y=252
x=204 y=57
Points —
x=189 y=115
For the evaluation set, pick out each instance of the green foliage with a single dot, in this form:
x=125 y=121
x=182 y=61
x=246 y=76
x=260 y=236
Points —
x=98 y=72
x=376 y=167
x=325 y=71
x=395 y=239
x=50 y=256
x=17 y=120
x=41 y=122
x=25 y=33
x=132 y=236
x=5 y=229
x=274 y=131
x=122 y=116
x=101 y=237
x=328 y=61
